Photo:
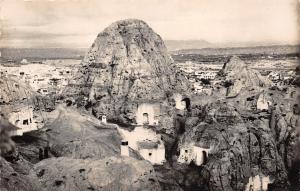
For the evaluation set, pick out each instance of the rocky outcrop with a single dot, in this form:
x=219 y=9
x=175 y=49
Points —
x=107 y=174
x=72 y=134
x=12 y=180
x=11 y=90
x=127 y=65
x=6 y=144
x=237 y=78
x=235 y=149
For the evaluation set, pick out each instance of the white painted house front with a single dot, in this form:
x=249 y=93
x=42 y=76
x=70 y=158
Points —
x=258 y=183
x=147 y=114
x=153 y=152
x=23 y=118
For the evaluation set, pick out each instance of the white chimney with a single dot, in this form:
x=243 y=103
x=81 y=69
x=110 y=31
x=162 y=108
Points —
x=124 y=148
x=103 y=119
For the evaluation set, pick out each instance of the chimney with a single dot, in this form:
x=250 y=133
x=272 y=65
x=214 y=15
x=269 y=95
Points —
x=124 y=148
x=103 y=119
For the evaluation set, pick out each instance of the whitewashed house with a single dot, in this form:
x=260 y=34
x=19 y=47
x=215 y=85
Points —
x=152 y=151
x=263 y=103
x=258 y=183
x=23 y=119
x=147 y=142
x=190 y=152
x=147 y=114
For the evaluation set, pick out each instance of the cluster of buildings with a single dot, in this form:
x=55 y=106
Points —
x=43 y=78
x=197 y=73
x=281 y=76
x=144 y=139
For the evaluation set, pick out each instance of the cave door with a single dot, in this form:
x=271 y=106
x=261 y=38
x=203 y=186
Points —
x=204 y=159
x=145 y=118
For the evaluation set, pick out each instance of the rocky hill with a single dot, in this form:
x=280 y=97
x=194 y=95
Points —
x=12 y=90
x=127 y=64
x=111 y=173
x=236 y=78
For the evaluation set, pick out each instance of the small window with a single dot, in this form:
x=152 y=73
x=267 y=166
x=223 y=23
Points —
x=186 y=151
x=150 y=154
x=25 y=122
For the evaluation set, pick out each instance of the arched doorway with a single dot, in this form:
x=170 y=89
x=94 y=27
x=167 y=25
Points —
x=145 y=118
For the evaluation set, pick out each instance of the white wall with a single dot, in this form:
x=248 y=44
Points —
x=141 y=134
x=178 y=103
x=262 y=103
x=189 y=153
x=124 y=150
x=258 y=183
x=150 y=110
x=157 y=155
x=24 y=113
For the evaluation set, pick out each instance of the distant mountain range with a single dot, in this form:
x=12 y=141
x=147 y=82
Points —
x=268 y=50
x=42 y=53
x=174 y=47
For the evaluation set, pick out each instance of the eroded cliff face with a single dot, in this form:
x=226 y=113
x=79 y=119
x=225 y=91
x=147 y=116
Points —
x=12 y=180
x=127 y=65
x=238 y=150
x=236 y=78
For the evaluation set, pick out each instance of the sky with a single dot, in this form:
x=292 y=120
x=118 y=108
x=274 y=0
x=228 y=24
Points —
x=76 y=23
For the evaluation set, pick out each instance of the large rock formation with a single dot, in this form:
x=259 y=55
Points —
x=11 y=90
x=72 y=134
x=236 y=149
x=107 y=174
x=126 y=66
x=12 y=180
x=237 y=78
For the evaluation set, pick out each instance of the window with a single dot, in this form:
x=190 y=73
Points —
x=25 y=122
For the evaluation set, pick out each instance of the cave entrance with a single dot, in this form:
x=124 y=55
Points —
x=145 y=118
x=187 y=103
x=204 y=157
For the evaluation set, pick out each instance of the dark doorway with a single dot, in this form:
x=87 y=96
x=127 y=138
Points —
x=145 y=118
x=204 y=157
x=25 y=122
x=187 y=103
